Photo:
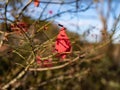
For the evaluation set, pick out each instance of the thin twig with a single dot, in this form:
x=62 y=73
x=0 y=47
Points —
x=6 y=14
x=52 y=2
x=66 y=75
x=56 y=67
x=24 y=9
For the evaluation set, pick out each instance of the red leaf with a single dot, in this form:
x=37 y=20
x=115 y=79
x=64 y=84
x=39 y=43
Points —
x=36 y=3
x=17 y=27
x=45 y=27
x=38 y=60
x=62 y=44
x=50 y=12
x=44 y=63
x=47 y=63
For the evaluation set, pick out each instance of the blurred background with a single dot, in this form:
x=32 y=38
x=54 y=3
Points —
x=93 y=28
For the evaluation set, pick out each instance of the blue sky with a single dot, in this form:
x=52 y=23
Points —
x=76 y=22
x=82 y=21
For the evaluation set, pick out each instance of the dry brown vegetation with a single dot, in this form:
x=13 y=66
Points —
x=89 y=66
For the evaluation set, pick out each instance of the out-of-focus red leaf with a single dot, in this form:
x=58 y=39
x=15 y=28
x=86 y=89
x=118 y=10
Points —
x=44 y=63
x=45 y=27
x=50 y=12
x=47 y=63
x=18 y=26
x=36 y=3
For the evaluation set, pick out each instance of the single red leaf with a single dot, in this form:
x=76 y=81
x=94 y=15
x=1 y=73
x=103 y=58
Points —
x=50 y=12
x=62 y=44
x=36 y=3
x=45 y=27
